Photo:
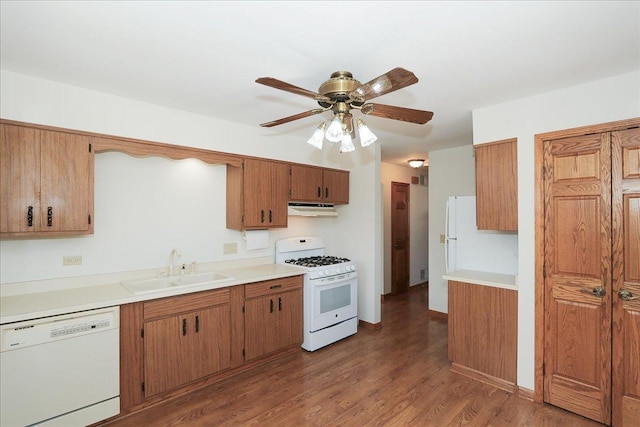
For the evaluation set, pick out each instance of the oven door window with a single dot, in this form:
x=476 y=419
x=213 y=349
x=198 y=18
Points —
x=335 y=298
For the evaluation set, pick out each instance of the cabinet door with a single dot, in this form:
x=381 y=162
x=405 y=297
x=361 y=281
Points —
x=336 y=187
x=66 y=178
x=497 y=186
x=210 y=341
x=166 y=364
x=260 y=326
x=20 y=179
x=289 y=318
x=266 y=190
x=306 y=184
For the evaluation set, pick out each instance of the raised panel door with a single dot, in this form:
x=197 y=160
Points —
x=577 y=352
x=20 y=179
x=626 y=277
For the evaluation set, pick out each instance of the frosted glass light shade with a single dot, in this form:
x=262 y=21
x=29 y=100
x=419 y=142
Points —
x=366 y=136
x=318 y=136
x=346 y=144
x=334 y=131
x=416 y=163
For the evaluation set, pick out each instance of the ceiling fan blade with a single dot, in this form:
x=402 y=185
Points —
x=388 y=82
x=397 y=113
x=292 y=118
x=279 y=84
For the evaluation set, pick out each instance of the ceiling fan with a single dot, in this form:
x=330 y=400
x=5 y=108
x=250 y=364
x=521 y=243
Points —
x=340 y=94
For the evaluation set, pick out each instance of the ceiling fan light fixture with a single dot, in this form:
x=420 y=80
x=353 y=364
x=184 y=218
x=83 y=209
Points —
x=364 y=133
x=416 y=163
x=318 y=136
x=346 y=145
x=334 y=131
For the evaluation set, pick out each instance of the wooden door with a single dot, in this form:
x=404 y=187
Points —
x=279 y=194
x=577 y=347
x=66 y=182
x=336 y=186
x=210 y=342
x=256 y=192
x=20 y=179
x=166 y=364
x=306 y=183
x=399 y=237
x=289 y=323
x=626 y=277
x=260 y=326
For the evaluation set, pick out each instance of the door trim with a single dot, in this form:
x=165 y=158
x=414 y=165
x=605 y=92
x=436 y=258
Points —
x=539 y=233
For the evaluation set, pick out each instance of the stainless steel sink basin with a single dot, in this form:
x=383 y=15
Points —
x=142 y=286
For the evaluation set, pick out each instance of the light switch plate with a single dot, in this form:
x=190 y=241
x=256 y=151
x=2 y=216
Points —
x=442 y=238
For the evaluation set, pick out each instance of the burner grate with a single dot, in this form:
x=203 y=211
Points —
x=317 y=261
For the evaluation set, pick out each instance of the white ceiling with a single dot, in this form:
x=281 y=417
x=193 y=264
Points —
x=204 y=57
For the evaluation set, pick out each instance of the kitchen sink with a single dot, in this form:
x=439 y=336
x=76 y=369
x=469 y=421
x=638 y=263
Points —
x=154 y=284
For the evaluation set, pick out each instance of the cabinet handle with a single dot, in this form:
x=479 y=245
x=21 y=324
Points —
x=30 y=216
x=270 y=216
x=49 y=216
x=197 y=324
x=270 y=306
x=261 y=215
x=326 y=192
x=184 y=327
x=319 y=192
x=275 y=286
x=279 y=304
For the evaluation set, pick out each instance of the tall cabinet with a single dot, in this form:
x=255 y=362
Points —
x=46 y=182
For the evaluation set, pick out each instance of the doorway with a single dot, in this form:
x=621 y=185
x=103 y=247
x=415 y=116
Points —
x=399 y=238
x=587 y=273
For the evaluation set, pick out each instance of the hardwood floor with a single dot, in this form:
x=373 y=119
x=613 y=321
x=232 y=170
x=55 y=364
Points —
x=396 y=376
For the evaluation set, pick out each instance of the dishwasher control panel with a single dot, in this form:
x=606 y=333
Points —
x=47 y=329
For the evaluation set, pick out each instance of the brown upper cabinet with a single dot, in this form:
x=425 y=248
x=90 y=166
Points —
x=46 y=182
x=257 y=195
x=315 y=184
x=497 y=185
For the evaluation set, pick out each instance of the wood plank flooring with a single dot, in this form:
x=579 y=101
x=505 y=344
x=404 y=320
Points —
x=396 y=376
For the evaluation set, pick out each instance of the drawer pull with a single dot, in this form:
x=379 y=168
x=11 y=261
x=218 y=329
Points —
x=275 y=287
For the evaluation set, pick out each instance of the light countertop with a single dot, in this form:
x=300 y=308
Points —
x=496 y=280
x=42 y=299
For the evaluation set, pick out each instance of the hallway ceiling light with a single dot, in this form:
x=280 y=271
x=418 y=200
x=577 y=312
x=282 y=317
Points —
x=416 y=163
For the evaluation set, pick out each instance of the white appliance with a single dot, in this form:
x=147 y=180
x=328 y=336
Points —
x=330 y=292
x=467 y=248
x=62 y=370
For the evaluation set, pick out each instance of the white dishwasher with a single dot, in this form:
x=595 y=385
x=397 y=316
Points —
x=61 y=370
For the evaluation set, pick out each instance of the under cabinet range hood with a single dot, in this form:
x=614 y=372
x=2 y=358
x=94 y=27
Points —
x=311 y=209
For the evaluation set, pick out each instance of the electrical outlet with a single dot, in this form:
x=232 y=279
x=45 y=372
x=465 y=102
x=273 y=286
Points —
x=72 y=260
x=442 y=238
x=230 y=248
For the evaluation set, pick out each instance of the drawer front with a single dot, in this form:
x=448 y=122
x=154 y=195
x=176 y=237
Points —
x=185 y=303
x=270 y=287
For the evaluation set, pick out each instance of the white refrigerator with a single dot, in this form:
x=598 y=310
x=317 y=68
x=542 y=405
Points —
x=467 y=248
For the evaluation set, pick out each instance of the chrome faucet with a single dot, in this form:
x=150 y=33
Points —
x=174 y=254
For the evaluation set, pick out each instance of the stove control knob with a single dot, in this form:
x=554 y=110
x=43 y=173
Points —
x=320 y=273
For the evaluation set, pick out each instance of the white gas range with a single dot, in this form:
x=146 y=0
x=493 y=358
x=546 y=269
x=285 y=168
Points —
x=330 y=291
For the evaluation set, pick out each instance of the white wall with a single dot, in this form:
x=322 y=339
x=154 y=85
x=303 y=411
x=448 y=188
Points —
x=418 y=222
x=452 y=172
x=611 y=99
x=146 y=207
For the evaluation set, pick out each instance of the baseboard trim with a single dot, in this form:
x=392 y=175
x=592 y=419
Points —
x=525 y=393
x=505 y=385
x=370 y=326
x=438 y=315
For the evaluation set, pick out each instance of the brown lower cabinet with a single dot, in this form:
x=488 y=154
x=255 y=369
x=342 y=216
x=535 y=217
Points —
x=483 y=329
x=172 y=345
